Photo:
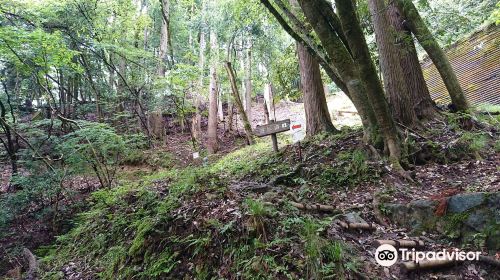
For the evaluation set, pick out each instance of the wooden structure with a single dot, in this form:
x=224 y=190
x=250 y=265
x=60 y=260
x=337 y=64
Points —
x=476 y=61
x=272 y=129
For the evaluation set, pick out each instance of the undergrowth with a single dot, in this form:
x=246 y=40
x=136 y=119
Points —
x=164 y=225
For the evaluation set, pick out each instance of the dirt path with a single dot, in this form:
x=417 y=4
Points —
x=341 y=110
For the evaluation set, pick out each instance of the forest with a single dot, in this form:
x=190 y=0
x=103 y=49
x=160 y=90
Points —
x=249 y=139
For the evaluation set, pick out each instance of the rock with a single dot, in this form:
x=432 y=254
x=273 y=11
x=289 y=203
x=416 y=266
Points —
x=462 y=202
x=478 y=219
x=354 y=217
x=493 y=200
x=468 y=214
x=397 y=212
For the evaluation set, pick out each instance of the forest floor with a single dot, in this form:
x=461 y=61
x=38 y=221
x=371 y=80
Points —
x=235 y=215
x=178 y=143
x=239 y=216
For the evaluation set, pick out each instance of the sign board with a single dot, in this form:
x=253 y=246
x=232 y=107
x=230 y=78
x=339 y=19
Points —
x=196 y=155
x=297 y=132
x=272 y=128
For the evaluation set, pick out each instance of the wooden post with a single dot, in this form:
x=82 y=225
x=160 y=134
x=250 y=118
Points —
x=275 y=142
x=300 y=151
x=274 y=139
x=273 y=128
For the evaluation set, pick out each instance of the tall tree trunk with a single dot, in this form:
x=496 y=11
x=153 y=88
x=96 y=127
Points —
x=343 y=62
x=369 y=78
x=438 y=57
x=10 y=146
x=237 y=101
x=316 y=108
x=230 y=114
x=317 y=115
x=220 y=103
x=201 y=64
x=248 y=80
x=212 y=99
x=410 y=65
x=389 y=56
x=269 y=99
x=120 y=89
x=212 y=113
x=165 y=52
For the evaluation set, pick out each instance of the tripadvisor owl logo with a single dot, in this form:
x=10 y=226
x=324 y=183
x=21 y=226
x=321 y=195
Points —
x=386 y=255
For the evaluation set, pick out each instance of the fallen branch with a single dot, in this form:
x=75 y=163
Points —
x=400 y=243
x=318 y=207
x=411 y=265
x=362 y=226
x=301 y=206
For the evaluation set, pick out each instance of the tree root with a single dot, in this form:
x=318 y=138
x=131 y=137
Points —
x=282 y=178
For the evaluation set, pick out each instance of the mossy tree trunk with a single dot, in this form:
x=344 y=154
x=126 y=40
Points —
x=342 y=61
x=389 y=56
x=165 y=48
x=436 y=54
x=410 y=65
x=369 y=77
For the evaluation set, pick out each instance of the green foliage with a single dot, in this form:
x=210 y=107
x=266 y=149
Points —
x=350 y=168
x=470 y=143
x=95 y=146
x=34 y=190
x=242 y=161
x=257 y=208
x=450 y=20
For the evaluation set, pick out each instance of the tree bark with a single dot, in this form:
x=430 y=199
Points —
x=239 y=105
x=343 y=62
x=316 y=109
x=375 y=92
x=389 y=56
x=436 y=54
x=230 y=114
x=212 y=113
x=220 y=103
x=269 y=99
x=196 y=123
x=300 y=33
x=165 y=39
x=10 y=146
x=410 y=64
x=212 y=144
x=248 y=80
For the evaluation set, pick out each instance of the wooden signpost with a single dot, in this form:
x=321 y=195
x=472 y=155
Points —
x=272 y=129
x=297 y=136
